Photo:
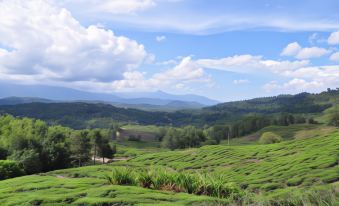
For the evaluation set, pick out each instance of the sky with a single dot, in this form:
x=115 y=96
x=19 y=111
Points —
x=222 y=49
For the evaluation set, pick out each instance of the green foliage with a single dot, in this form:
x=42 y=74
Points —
x=185 y=137
x=269 y=138
x=10 y=169
x=122 y=176
x=29 y=159
x=159 y=179
x=81 y=147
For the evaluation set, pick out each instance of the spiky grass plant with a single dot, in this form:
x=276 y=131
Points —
x=161 y=179
x=122 y=176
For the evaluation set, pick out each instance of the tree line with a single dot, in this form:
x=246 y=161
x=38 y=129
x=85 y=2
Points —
x=191 y=136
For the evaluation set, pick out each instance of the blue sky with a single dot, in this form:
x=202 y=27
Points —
x=226 y=50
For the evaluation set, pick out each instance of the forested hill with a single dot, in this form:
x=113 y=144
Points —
x=82 y=115
x=299 y=103
x=77 y=114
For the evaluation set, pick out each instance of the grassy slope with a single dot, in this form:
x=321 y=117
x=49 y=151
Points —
x=306 y=162
x=51 y=190
x=290 y=166
x=286 y=132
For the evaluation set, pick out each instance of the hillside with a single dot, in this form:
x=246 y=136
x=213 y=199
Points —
x=302 y=170
x=77 y=114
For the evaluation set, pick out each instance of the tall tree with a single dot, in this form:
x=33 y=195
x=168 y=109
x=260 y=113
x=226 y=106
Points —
x=81 y=147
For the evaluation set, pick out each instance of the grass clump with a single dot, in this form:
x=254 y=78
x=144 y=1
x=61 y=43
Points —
x=269 y=138
x=161 y=179
x=122 y=176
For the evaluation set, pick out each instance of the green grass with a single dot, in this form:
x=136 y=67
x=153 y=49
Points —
x=286 y=132
x=303 y=171
x=314 y=160
x=49 y=190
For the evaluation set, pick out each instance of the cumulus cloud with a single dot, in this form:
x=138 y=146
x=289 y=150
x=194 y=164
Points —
x=292 y=86
x=311 y=52
x=294 y=49
x=307 y=79
x=303 y=76
x=335 y=57
x=43 y=42
x=160 y=38
x=334 y=38
x=291 y=49
x=186 y=72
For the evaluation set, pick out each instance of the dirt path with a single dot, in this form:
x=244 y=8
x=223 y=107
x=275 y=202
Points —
x=107 y=160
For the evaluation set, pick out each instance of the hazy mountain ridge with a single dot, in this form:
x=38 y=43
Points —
x=71 y=95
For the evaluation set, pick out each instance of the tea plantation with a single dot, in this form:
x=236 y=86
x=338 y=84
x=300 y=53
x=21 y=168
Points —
x=295 y=172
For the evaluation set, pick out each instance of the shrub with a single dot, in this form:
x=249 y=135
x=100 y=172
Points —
x=145 y=179
x=269 y=138
x=199 y=184
x=10 y=169
x=121 y=176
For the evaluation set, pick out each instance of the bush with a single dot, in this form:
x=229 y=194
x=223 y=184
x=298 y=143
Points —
x=269 y=138
x=10 y=169
x=177 y=182
x=122 y=176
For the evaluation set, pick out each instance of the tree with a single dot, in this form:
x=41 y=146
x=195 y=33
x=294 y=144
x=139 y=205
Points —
x=29 y=159
x=81 y=147
x=55 y=152
x=170 y=140
x=96 y=138
x=269 y=138
x=105 y=149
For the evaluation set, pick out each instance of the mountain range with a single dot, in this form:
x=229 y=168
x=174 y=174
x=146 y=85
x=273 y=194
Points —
x=154 y=101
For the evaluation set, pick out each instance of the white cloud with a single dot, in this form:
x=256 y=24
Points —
x=249 y=64
x=303 y=76
x=294 y=49
x=113 y=7
x=292 y=86
x=307 y=79
x=335 y=57
x=47 y=44
x=334 y=38
x=291 y=49
x=178 y=77
x=160 y=38
x=311 y=52
x=241 y=81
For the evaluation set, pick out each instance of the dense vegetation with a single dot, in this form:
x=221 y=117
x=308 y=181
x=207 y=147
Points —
x=37 y=147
